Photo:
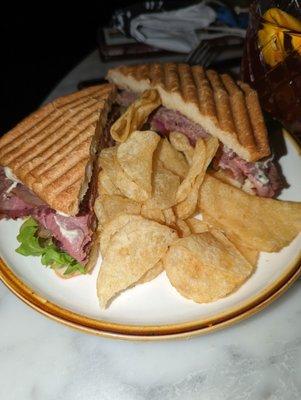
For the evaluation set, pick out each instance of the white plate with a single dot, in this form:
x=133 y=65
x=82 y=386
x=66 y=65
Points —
x=154 y=308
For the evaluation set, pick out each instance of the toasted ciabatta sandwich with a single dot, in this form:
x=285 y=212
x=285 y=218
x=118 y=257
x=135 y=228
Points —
x=46 y=173
x=199 y=103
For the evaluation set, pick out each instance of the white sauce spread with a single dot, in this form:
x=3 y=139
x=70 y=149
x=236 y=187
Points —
x=10 y=175
x=12 y=186
x=62 y=214
x=85 y=185
x=262 y=178
x=71 y=235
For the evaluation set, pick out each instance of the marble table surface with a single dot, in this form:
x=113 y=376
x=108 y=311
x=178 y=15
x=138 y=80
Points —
x=257 y=359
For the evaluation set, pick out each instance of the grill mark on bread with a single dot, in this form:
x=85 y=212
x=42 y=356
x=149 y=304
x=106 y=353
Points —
x=50 y=114
x=53 y=164
x=227 y=110
x=171 y=82
x=222 y=104
x=76 y=97
x=49 y=138
x=70 y=190
x=54 y=155
x=197 y=78
x=66 y=179
x=186 y=82
x=158 y=74
x=206 y=100
x=63 y=165
x=256 y=116
x=239 y=112
x=40 y=115
x=9 y=150
x=35 y=136
x=144 y=71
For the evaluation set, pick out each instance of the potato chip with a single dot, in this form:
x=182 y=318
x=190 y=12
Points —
x=196 y=168
x=205 y=268
x=106 y=158
x=171 y=159
x=107 y=161
x=187 y=194
x=152 y=273
x=106 y=186
x=256 y=222
x=181 y=143
x=250 y=255
x=132 y=250
x=197 y=226
x=183 y=228
x=187 y=208
x=153 y=213
x=135 y=156
x=109 y=207
x=169 y=216
x=135 y=116
x=165 y=187
x=110 y=229
x=203 y=153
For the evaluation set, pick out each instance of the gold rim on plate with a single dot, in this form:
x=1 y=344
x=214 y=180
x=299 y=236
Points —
x=154 y=332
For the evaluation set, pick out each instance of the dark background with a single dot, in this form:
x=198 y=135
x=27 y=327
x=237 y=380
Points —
x=39 y=45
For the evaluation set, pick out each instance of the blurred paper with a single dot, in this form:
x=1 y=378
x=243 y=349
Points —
x=173 y=30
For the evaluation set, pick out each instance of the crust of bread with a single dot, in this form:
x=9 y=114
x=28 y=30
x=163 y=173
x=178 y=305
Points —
x=227 y=177
x=226 y=109
x=52 y=151
x=94 y=250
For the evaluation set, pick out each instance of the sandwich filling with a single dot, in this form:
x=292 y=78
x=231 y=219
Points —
x=60 y=239
x=69 y=234
x=263 y=176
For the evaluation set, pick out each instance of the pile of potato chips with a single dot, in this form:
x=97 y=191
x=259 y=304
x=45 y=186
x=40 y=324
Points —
x=150 y=190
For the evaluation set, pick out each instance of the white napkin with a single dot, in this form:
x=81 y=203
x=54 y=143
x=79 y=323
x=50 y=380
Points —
x=173 y=30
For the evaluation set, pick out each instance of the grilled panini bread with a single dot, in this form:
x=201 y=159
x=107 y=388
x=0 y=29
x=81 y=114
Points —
x=52 y=151
x=48 y=171
x=227 y=110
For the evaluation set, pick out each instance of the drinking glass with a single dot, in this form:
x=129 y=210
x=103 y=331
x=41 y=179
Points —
x=272 y=59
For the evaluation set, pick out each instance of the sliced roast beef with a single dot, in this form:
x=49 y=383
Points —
x=11 y=205
x=71 y=233
x=165 y=121
x=263 y=174
x=22 y=192
x=125 y=98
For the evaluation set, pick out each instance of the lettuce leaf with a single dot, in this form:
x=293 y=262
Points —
x=31 y=245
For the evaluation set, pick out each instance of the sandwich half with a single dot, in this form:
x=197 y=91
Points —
x=199 y=103
x=47 y=173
